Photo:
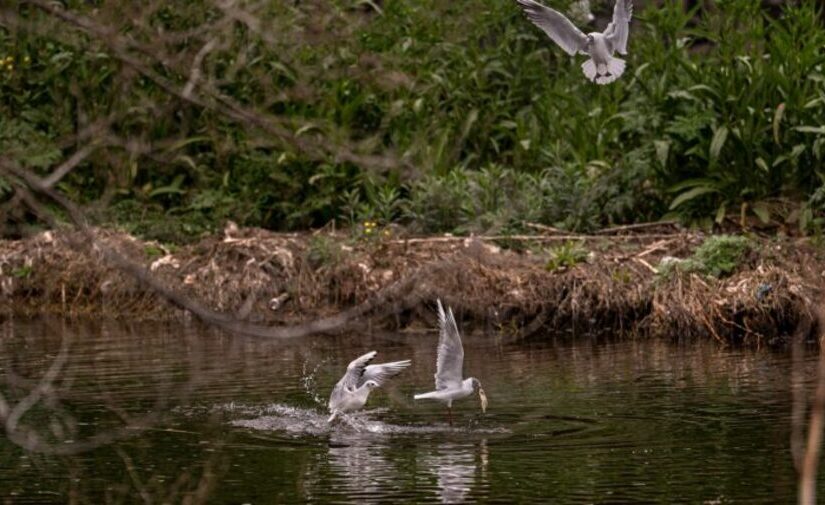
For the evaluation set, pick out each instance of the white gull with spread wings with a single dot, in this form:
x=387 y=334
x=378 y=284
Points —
x=352 y=391
x=602 y=67
x=449 y=376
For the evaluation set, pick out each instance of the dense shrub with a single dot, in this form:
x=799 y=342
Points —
x=480 y=121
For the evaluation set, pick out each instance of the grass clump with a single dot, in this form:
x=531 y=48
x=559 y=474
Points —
x=566 y=255
x=718 y=256
x=323 y=251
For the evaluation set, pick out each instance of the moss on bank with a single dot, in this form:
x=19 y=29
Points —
x=276 y=278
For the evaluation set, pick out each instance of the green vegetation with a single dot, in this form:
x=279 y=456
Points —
x=718 y=256
x=22 y=272
x=479 y=123
x=323 y=251
x=566 y=255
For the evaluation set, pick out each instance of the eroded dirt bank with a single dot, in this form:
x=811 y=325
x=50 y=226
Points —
x=520 y=286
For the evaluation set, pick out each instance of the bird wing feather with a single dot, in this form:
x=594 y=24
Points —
x=618 y=30
x=350 y=381
x=355 y=371
x=555 y=25
x=450 y=362
x=381 y=373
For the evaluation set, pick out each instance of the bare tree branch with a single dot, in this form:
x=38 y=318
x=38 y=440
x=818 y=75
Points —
x=67 y=166
x=402 y=289
x=195 y=74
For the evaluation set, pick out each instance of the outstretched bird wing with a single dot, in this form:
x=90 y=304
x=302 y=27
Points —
x=352 y=379
x=450 y=363
x=381 y=373
x=617 y=31
x=555 y=25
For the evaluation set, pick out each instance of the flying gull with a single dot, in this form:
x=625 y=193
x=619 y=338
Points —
x=602 y=67
x=352 y=391
x=449 y=382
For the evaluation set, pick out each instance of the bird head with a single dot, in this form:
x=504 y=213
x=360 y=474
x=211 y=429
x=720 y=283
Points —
x=590 y=40
x=371 y=384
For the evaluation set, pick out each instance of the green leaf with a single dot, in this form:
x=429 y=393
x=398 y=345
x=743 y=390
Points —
x=718 y=142
x=806 y=215
x=819 y=130
x=689 y=183
x=777 y=119
x=762 y=211
x=704 y=87
x=817 y=148
x=173 y=188
x=682 y=94
x=691 y=194
x=720 y=213
x=22 y=272
x=813 y=103
x=185 y=142
x=662 y=149
x=306 y=128
x=471 y=119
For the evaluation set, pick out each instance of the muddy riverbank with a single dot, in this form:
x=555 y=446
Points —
x=651 y=281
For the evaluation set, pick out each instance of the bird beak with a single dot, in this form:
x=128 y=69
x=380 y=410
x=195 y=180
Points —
x=483 y=397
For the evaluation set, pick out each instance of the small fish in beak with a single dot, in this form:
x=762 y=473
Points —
x=483 y=397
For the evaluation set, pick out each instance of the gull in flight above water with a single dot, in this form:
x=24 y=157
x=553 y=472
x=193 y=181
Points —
x=352 y=391
x=602 y=67
x=449 y=382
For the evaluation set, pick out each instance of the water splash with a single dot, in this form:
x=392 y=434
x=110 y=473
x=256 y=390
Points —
x=297 y=421
x=282 y=418
x=308 y=380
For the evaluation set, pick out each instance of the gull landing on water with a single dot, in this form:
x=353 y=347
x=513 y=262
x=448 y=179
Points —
x=352 y=391
x=602 y=67
x=449 y=382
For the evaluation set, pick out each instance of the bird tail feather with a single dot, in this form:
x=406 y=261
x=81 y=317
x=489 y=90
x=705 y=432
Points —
x=589 y=69
x=616 y=67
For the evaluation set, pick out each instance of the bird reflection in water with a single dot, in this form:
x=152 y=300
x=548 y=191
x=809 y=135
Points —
x=458 y=468
x=360 y=467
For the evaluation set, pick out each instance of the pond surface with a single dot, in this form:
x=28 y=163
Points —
x=569 y=421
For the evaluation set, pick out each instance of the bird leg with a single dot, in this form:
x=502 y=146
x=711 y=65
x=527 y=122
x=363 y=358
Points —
x=450 y=415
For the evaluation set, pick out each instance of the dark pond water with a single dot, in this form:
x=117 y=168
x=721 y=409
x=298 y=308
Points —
x=244 y=421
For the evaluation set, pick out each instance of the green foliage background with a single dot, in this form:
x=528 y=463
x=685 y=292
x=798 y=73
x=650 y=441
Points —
x=720 y=115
